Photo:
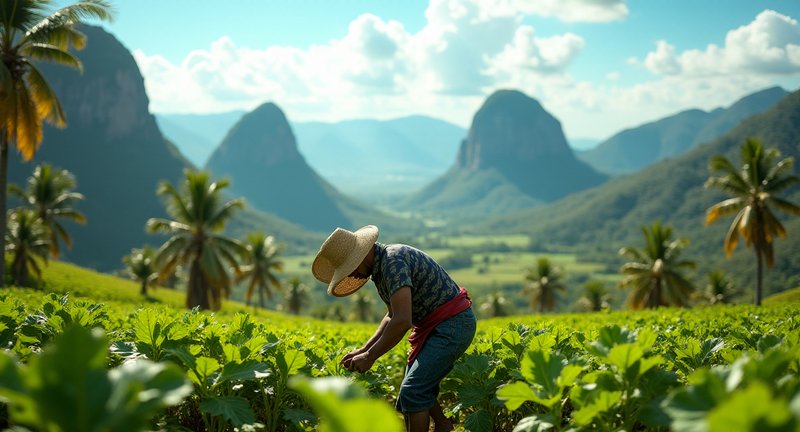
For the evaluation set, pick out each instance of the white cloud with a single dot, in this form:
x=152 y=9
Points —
x=770 y=45
x=578 y=10
x=467 y=49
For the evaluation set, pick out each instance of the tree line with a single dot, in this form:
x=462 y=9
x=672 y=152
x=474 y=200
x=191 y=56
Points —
x=655 y=274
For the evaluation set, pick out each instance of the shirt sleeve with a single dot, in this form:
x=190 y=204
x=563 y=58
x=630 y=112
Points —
x=397 y=274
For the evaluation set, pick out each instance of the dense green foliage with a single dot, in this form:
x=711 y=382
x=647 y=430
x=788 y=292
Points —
x=633 y=149
x=596 y=222
x=645 y=370
x=754 y=189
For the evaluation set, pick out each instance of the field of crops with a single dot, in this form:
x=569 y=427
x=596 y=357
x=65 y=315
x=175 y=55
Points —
x=79 y=364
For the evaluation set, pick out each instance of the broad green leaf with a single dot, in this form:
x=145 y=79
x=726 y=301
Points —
x=689 y=406
x=569 y=375
x=235 y=410
x=68 y=381
x=248 y=370
x=752 y=409
x=515 y=394
x=624 y=356
x=601 y=402
x=342 y=406
x=541 y=368
x=534 y=424
x=290 y=362
x=204 y=368
x=542 y=342
x=140 y=389
x=186 y=358
x=608 y=337
x=12 y=387
x=479 y=421
x=472 y=394
x=646 y=339
x=767 y=342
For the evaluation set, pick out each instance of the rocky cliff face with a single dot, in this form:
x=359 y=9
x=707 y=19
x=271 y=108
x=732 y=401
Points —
x=515 y=154
x=113 y=147
x=260 y=157
x=511 y=128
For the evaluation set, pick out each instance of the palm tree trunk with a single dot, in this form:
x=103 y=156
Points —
x=759 y=275
x=656 y=298
x=144 y=287
x=197 y=292
x=3 y=196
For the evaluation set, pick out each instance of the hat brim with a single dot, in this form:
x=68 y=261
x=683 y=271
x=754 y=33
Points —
x=341 y=283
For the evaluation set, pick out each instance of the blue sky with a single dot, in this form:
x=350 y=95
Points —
x=598 y=65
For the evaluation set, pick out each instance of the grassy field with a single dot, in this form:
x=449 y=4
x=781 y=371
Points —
x=570 y=350
x=499 y=263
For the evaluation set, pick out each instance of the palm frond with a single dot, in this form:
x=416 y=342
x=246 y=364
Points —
x=166 y=226
x=218 y=219
x=723 y=208
x=51 y=53
x=732 y=236
x=27 y=127
x=47 y=103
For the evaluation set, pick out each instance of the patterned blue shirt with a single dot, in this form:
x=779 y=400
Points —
x=398 y=265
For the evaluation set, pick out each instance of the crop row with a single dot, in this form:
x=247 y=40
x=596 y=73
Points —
x=76 y=365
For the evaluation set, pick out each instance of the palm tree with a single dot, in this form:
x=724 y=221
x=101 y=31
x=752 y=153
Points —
x=495 y=305
x=49 y=193
x=141 y=266
x=595 y=296
x=754 y=188
x=30 y=34
x=26 y=239
x=719 y=288
x=543 y=282
x=262 y=262
x=199 y=215
x=654 y=274
x=362 y=306
x=297 y=295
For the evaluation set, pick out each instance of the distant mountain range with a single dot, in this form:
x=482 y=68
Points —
x=636 y=148
x=513 y=163
x=515 y=156
x=598 y=221
x=395 y=156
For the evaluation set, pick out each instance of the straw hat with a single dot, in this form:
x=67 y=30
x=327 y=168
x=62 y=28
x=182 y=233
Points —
x=341 y=253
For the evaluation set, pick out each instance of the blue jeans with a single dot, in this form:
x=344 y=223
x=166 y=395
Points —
x=443 y=347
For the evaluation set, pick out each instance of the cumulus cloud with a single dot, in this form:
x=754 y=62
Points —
x=770 y=44
x=466 y=50
x=465 y=47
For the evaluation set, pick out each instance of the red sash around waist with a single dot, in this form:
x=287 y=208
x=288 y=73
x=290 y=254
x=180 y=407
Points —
x=419 y=334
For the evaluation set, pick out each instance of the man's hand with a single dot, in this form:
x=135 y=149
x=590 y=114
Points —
x=361 y=362
x=347 y=360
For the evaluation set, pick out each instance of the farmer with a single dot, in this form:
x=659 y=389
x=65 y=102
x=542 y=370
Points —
x=418 y=292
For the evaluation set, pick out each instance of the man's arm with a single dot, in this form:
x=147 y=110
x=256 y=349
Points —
x=396 y=327
x=347 y=359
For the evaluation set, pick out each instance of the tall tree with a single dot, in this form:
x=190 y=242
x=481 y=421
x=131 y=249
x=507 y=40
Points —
x=754 y=189
x=26 y=240
x=297 y=296
x=595 y=296
x=49 y=192
x=141 y=266
x=495 y=305
x=655 y=273
x=30 y=33
x=543 y=282
x=198 y=216
x=719 y=288
x=261 y=263
x=362 y=306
